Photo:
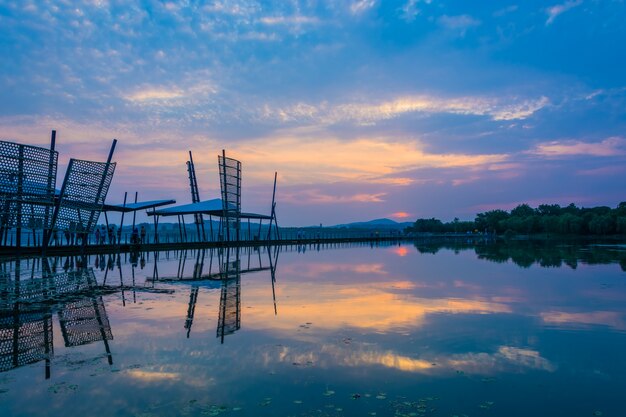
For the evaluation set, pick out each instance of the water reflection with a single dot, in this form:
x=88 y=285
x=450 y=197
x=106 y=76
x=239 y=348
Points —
x=227 y=278
x=27 y=307
x=361 y=329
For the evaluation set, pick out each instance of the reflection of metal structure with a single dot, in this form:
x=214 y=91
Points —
x=230 y=184
x=41 y=290
x=230 y=300
x=26 y=305
x=27 y=187
x=231 y=265
x=82 y=196
x=85 y=321
x=25 y=338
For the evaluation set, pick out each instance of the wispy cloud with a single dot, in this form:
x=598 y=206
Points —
x=459 y=23
x=370 y=113
x=289 y=20
x=154 y=94
x=189 y=92
x=610 y=170
x=360 y=6
x=506 y=10
x=612 y=146
x=409 y=11
x=317 y=196
x=556 y=10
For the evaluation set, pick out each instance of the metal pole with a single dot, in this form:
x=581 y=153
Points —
x=20 y=183
x=135 y=211
x=119 y=232
x=57 y=205
x=47 y=232
x=269 y=231
x=101 y=186
x=156 y=225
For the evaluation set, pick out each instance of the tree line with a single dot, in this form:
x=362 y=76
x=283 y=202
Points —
x=545 y=219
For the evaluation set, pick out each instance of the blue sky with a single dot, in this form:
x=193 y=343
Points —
x=367 y=109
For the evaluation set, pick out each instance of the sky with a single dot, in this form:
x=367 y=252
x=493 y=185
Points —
x=365 y=108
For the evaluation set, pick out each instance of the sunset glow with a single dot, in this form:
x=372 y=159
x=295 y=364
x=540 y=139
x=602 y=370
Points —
x=364 y=108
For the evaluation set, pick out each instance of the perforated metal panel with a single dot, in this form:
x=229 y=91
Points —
x=84 y=190
x=27 y=183
x=25 y=337
x=85 y=321
x=230 y=184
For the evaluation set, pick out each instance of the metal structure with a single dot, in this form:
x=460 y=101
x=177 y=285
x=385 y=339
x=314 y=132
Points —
x=82 y=195
x=195 y=195
x=230 y=299
x=230 y=184
x=27 y=187
x=273 y=212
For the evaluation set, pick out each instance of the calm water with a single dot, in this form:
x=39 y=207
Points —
x=410 y=330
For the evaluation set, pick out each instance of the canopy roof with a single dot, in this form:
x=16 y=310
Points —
x=211 y=207
x=141 y=205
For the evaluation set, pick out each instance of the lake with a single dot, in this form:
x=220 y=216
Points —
x=426 y=329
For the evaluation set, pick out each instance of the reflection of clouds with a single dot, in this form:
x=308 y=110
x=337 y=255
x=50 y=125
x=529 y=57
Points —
x=480 y=363
x=314 y=270
x=153 y=376
x=373 y=306
x=506 y=358
x=604 y=318
x=183 y=374
x=389 y=360
x=526 y=358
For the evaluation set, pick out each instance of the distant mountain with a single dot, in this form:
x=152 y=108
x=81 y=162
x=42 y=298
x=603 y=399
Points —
x=377 y=224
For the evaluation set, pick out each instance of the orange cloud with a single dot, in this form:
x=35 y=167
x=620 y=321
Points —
x=310 y=159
